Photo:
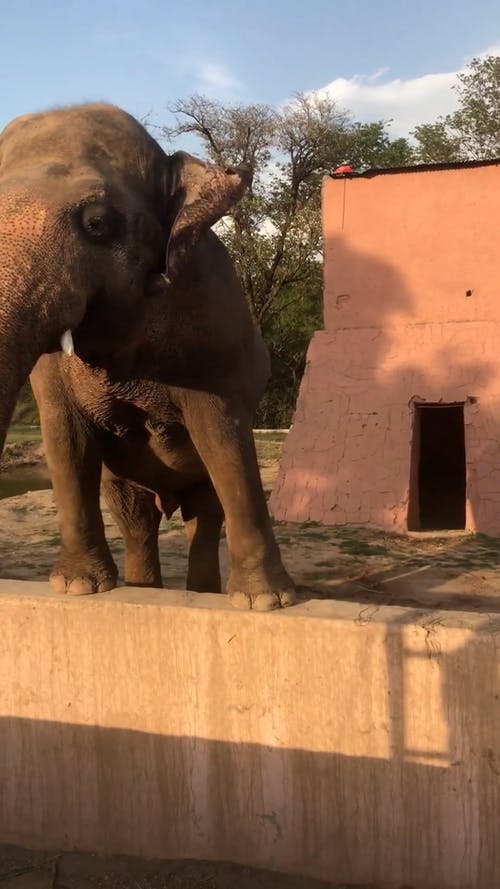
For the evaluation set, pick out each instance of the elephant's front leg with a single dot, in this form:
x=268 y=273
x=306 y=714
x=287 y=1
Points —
x=224 y=441
x=85 y=564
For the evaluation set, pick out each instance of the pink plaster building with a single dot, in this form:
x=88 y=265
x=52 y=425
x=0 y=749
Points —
x=397 y=423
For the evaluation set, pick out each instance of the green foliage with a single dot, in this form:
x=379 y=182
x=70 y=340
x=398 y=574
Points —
x=370 y=146
x=436 y=144
x=288 y=330
x=476 y=123
x=472 y=132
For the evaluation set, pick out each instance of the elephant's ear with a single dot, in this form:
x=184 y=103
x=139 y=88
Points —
x=201 y=194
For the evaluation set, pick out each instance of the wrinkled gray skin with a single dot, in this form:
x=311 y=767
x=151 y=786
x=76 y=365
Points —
x=104 y=235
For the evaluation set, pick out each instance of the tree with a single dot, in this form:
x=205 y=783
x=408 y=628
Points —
x=274 y=234
x=371 y=146
x=288 y=332
x=436 y=145
x=472 y=132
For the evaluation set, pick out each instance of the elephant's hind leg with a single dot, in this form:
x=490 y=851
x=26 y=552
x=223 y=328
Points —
x=138 y=518
x=203 y=516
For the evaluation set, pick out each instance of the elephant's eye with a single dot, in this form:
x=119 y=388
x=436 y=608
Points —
x=99 y=222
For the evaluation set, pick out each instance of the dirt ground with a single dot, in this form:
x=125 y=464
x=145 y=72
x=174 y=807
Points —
x=450 y=570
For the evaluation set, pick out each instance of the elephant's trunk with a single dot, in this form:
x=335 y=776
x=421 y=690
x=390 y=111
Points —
x=16 y=361
x=33 y=314
x=23 y=338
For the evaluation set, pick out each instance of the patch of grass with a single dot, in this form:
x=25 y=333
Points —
x=491 y=543
x=18 y=433
x=314 y=535
x=361 y=548
x=275 y=435
x=268 y=451
x=472 y=563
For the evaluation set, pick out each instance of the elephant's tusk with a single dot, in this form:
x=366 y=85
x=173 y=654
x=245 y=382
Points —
x=67 y=343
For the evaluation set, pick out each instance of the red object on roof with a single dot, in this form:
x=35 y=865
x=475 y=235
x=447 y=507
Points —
x=343 y=170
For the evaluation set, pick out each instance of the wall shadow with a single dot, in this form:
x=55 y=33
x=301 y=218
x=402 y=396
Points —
x=377 y=377
x=426 y=814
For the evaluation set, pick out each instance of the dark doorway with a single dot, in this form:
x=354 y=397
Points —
x=438 y=473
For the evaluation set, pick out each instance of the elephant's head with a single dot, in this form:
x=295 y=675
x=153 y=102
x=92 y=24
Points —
x=90 y=208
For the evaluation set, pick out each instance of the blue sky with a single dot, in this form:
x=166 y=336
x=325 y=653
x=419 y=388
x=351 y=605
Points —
x=380 y=58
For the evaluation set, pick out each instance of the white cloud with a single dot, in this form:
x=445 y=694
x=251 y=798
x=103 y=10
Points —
x=215 y=77
x=206 y=76
x=406 y=102
x=493 y=50
x=199 y=72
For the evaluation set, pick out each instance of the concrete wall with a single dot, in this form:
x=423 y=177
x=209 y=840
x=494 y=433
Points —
x=351 y=743
x=402 y=251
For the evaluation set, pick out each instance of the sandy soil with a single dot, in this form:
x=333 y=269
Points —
x=21 y=453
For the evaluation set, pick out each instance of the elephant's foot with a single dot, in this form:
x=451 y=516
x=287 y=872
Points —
x=261 y=590
x=83 y=573
x=264 y=601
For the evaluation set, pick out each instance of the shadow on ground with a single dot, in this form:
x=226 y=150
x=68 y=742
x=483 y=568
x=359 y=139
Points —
x=23 y=869
x=455 y=571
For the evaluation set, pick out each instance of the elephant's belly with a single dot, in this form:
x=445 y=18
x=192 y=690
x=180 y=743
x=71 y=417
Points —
x=164 y=462
x=141 y=434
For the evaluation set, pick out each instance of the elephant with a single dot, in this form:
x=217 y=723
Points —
x=123 y=307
